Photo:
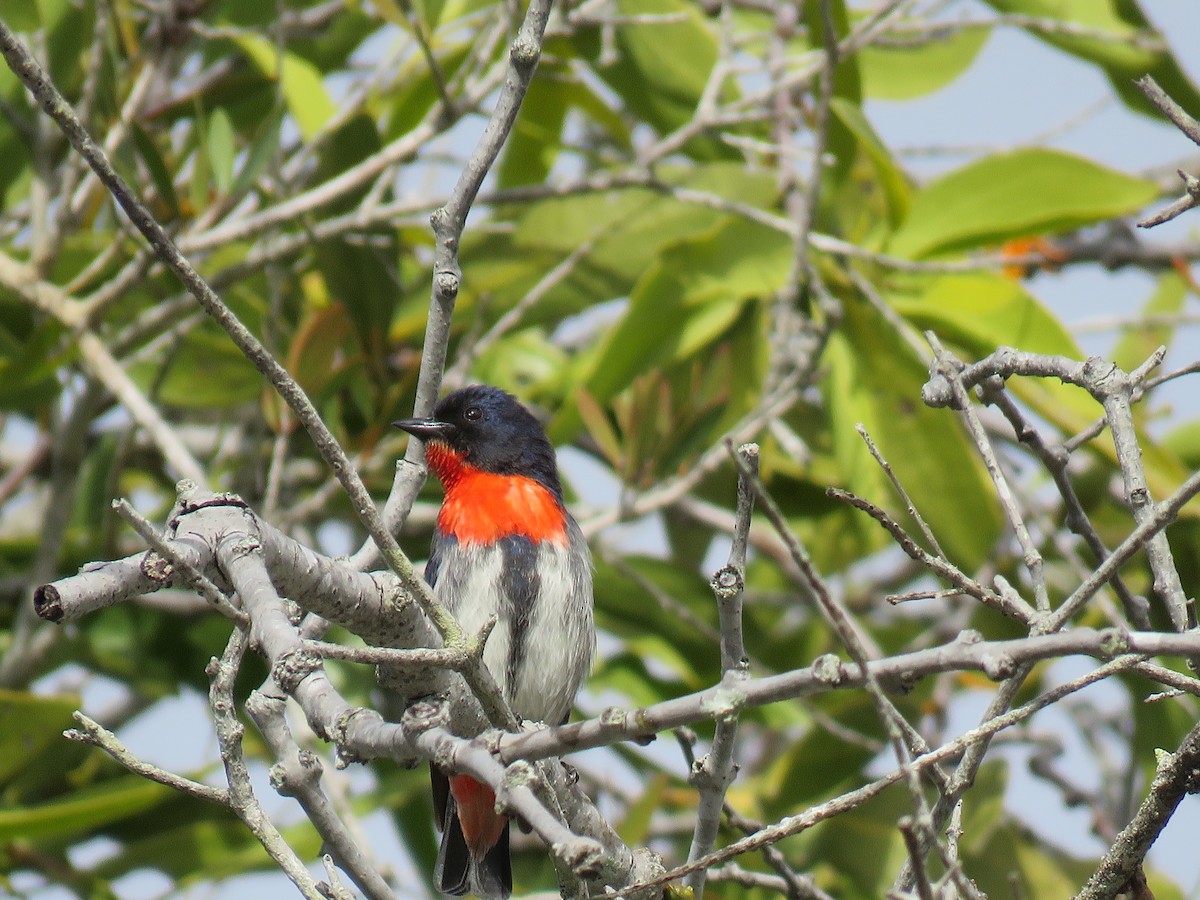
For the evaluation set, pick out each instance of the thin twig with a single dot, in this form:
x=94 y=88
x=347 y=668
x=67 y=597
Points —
x=713 y=774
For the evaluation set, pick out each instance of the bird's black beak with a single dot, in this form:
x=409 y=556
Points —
x=426 y=429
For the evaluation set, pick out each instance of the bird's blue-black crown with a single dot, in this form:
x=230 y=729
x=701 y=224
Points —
x=494 y=432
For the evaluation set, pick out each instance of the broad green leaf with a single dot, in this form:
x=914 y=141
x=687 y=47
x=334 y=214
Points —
x=628 y=603
x=981 y=312
x=205 y=370
x=624 y=230
x=661 y=87
x=303 y=87
x=213 y=848
x=1104 y=37
x=876 y=379
x=684 y=302
x=417 y=92
x=863 y=846
x=391 y=11
x=221 y=149
x=200 y=181
x=524 y=358
x=23 y=16
x=902 y=73
x=318 y=347
x=820 y=763
x=893 y=180
x=67 y=29
x=1012 y=195
x=351 y=142
x=82 y=810
x=29 y=726
x=536 y=139
x=630 y=225
x=93 y=496
x=634 y=828
x=29 y=359
x=159 y=173
x=430 y=12
x=361 y=276
x=261 y=153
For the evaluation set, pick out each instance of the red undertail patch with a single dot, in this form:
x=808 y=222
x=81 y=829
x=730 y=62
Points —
x=481 y=824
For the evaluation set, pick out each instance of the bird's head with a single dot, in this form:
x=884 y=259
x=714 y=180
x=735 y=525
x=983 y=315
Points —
x=489 y=430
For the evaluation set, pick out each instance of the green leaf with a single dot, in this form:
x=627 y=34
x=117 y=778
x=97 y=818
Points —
x=82 y=810
x=595 y=420
x=634 y=828
x=159 y=174
x=624 y=230
x=361 y=275
x=303 y=87
x=663 y=87
x=863 y=846
x=536 y=139
x=29 y=726
x=893 y=180
x=261 y=154
x=684 y=302
x=430 y=12
x=221 y=149
x=22 y=17
x=523 y=358
x=1017 y=194
x=902 y=73
x=29 y=359
x=216 y=847
x=205 y=371
x=417 y=92
x=876 y=379
x=979 y=312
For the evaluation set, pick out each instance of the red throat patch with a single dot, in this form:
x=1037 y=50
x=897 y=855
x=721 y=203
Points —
x=483 y=507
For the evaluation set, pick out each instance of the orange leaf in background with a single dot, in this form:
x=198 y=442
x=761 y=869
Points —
x=1019 y=248
x=1183 y=268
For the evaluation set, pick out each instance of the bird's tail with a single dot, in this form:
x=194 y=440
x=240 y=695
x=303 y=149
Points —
x=473 y=855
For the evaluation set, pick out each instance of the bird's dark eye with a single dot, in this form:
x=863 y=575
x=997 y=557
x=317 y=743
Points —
x=473 y=414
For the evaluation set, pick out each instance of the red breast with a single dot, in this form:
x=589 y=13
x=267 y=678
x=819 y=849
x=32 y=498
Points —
x=484 y=507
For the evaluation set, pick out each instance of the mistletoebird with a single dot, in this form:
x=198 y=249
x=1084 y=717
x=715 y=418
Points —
x=504 y=546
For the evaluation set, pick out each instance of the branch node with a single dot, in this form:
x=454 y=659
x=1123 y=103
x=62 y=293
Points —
x=1191 y=184
x=584 y=856
x=725 y=702
x=519 y=774
x=293 y=666
x=420 y=717
x=827 y=669
x=998 y=666
x=1114 y=642
x=340 y=734
x=447 y=283
x=727 y=583
x=525 y=52
x=612 y=719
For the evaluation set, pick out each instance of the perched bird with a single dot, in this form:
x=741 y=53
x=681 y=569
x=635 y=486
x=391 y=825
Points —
x=504 y=545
